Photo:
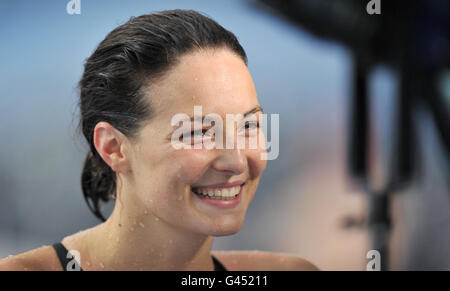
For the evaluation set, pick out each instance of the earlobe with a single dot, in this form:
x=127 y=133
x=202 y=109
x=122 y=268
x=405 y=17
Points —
x=108 y=141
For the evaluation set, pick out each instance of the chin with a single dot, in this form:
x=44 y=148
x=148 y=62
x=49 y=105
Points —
x=224 y=229
x=226 y=233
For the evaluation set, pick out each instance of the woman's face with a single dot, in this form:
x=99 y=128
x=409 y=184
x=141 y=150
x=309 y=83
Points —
x=164 y=178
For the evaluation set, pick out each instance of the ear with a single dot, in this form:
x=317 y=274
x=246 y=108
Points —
x=110 y=144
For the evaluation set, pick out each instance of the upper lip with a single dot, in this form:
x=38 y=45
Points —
x=220 y=185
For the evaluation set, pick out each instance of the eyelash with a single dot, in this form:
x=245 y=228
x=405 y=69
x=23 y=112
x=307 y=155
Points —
x=247 y=126
x=254 y=123
x=203 y=131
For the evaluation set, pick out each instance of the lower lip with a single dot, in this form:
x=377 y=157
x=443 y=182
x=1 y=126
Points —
x=222 y=203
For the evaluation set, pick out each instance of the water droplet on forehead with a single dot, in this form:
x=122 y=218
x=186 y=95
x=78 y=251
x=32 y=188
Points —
x=141 y=224
x=156 y=219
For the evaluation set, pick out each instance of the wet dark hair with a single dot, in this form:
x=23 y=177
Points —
x=128 y=59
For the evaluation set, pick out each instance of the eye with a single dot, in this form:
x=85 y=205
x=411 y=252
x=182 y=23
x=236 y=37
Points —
x=251 y=125
x=191 y=135
x=198 y=132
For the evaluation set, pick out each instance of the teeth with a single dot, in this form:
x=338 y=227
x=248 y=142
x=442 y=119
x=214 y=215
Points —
x=219 y=193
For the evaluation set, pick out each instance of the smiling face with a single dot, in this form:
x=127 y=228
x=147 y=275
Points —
x=164 y=178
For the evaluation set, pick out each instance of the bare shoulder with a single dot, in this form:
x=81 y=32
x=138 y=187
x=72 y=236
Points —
x=39 y=259
x=262 y=261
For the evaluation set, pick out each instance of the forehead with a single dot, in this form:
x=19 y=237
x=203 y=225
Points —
x=216 y=79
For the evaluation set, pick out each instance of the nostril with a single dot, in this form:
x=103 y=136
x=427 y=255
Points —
x=230 y=172
x=230 y=162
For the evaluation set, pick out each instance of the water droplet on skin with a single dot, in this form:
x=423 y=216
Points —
x=141 y=224
x=145 y=212
x=156 y=219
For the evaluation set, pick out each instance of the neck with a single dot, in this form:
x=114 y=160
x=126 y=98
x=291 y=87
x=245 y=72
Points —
x=140 y=242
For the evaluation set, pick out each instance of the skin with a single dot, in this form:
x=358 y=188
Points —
x=157 y=218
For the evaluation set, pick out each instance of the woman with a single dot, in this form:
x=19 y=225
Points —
x=170 y=202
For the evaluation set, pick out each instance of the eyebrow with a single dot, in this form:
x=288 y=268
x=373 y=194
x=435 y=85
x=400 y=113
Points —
x=254 y=110
x=246 y=114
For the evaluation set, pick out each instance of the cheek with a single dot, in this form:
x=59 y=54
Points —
x=183 y=168
x=191 y=165
x=257 y=164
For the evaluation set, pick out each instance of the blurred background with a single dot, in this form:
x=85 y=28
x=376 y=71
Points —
x=363 y=160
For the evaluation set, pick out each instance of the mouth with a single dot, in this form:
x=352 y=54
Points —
x=224 y=191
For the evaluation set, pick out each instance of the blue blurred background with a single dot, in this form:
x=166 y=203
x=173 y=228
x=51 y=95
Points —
x=304 y=195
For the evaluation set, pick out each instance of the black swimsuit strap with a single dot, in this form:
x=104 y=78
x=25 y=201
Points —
x=218 y=265
x=61 y=251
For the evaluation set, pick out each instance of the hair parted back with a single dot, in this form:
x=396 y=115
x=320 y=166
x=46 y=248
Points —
x=127 y=60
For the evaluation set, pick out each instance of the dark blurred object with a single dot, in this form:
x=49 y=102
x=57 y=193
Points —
x=413 y=37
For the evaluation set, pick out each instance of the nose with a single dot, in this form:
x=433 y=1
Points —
x=231 y=162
